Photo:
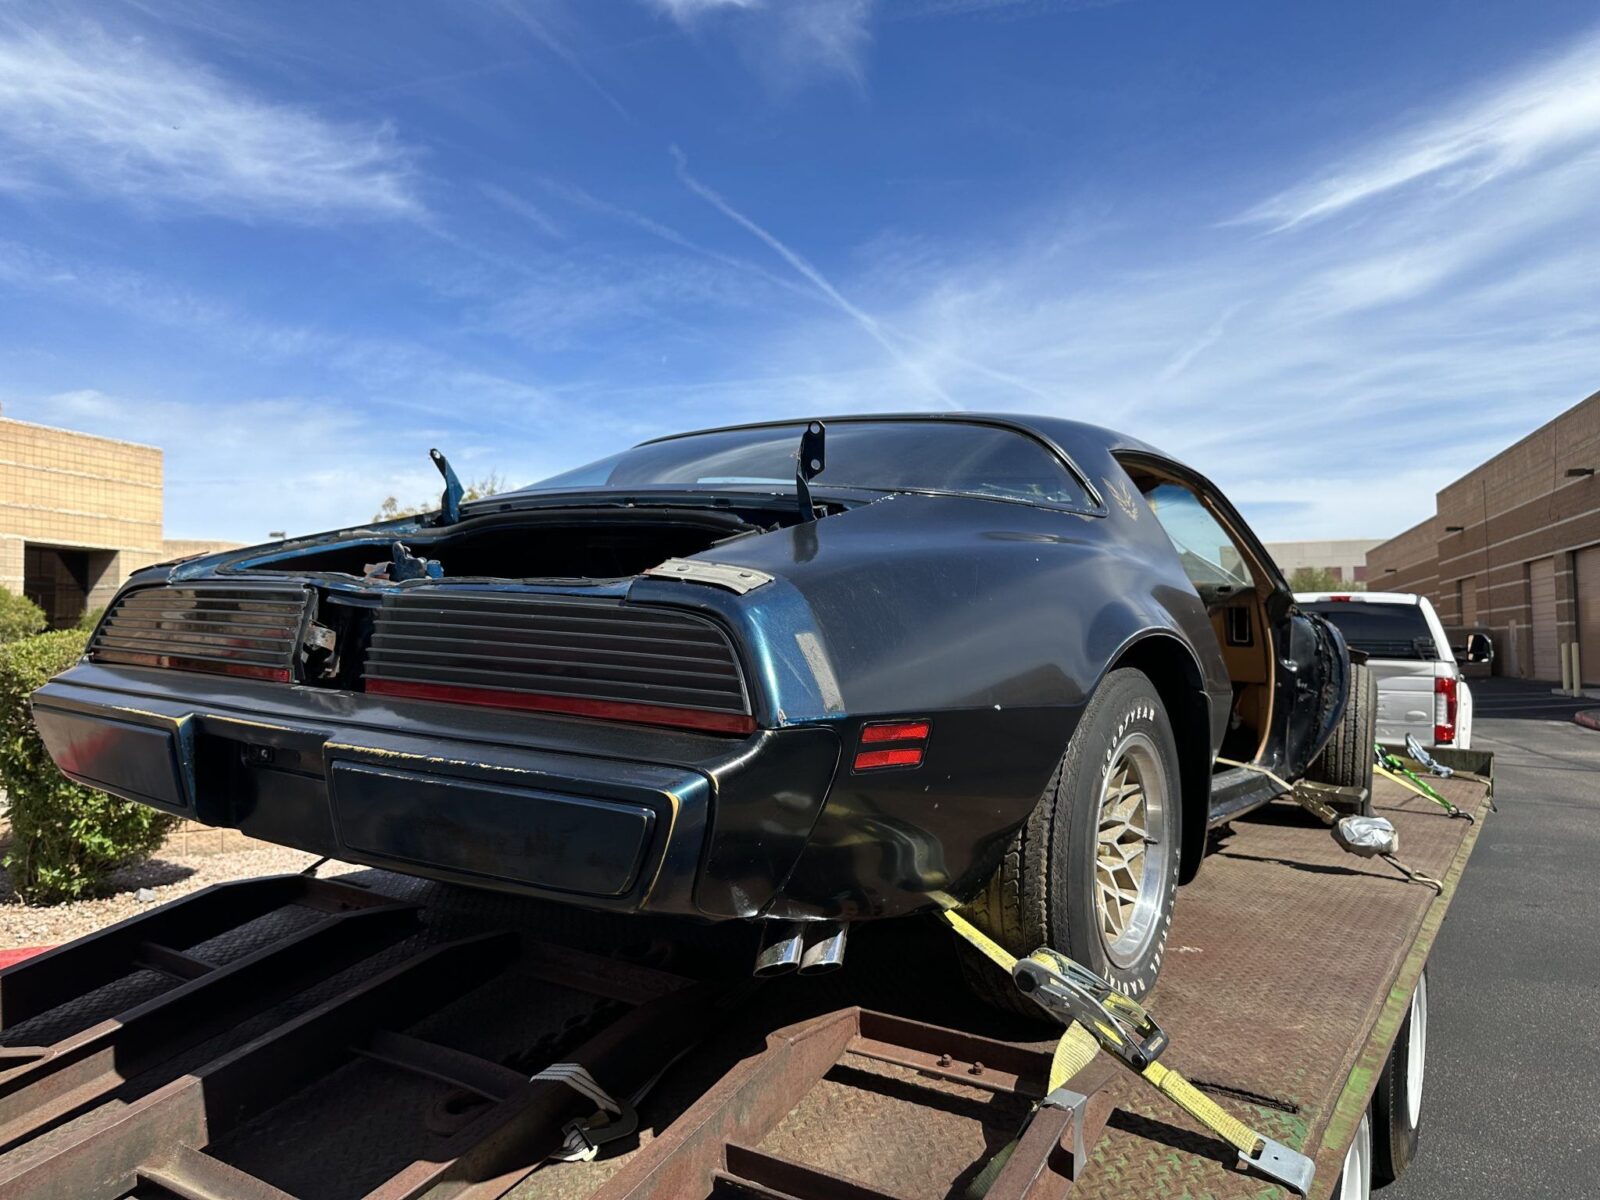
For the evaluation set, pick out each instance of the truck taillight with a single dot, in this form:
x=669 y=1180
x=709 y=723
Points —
x=1444 y=710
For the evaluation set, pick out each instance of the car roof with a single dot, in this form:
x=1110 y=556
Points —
x=1064 y=434
x=1360 y=597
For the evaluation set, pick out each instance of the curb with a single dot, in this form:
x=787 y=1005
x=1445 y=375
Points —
x=12 y=957
x=1589 y=718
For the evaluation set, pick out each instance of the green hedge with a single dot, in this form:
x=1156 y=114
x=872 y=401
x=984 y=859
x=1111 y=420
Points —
x=19 y=617
x=65 y=838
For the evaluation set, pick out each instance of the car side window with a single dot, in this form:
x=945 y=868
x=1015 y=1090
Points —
x=1209 y=557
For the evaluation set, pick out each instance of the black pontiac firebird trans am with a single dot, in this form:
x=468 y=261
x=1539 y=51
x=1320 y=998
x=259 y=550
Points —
x=798 y=673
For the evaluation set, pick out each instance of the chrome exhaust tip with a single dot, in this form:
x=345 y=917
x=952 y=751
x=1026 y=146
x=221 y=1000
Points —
x=781 y=952
x=826 y=951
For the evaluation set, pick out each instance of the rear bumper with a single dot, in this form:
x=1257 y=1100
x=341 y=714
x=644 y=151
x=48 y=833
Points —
x=614 y=817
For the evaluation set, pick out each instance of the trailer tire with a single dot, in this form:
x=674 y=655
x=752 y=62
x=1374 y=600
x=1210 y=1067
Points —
x=1355 y=1180
x=1084 y=844
x=1397 y=1104
x=1346 y=761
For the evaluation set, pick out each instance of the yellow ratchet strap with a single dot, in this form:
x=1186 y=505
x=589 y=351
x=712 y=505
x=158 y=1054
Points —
x=1078 y=1046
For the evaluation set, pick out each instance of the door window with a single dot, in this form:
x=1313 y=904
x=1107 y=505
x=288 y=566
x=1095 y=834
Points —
x=1209 y=557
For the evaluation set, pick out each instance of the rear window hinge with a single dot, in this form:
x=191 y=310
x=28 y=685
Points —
x=722 y=575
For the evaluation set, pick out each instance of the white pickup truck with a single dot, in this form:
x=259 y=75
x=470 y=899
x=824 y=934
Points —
x=1420 y=688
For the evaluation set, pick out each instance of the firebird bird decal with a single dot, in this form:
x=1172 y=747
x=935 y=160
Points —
x=1124 y=496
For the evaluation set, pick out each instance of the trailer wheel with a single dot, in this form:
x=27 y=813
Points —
x=1346 y=761
x=1397 y=1104
x=1355 y=1180
x=1093 y=872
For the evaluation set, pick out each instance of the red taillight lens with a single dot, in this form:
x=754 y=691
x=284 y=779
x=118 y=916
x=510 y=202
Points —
x=895 y=731
x=571 y=706
x=1444 y=710
x=870 y=760
x=902 y=742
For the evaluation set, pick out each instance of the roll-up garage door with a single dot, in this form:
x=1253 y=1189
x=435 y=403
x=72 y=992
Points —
x=1587 y=562
x=1542 y=591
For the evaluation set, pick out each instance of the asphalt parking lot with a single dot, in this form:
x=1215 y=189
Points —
x=1513 y=1041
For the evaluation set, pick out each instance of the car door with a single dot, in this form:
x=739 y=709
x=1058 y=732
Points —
x=1308 y=665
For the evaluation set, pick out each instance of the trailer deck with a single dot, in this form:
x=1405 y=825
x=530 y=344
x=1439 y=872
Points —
x=374 y=1036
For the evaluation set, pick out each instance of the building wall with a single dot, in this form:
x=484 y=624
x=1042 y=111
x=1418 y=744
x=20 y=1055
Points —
x=1407 y=562
x=189 y=547
x=1500 y=528
x=1345 y=557
x=90 y=503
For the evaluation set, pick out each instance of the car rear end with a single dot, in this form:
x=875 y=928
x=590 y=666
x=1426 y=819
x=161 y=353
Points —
x=567 y=745
x=1420 y=689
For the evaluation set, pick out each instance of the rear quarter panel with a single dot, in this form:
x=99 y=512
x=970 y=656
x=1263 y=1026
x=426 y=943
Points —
x=995 y=621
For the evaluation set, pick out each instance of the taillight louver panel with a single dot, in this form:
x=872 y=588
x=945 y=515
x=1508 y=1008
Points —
x=599 y=650
x=250 y=631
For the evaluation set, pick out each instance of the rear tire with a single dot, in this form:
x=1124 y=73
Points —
x=1397 y=1104
x=1346 y=761
x=1093 y=872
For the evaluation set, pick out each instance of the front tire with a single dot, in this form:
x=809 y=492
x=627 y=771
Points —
x=1093 y=872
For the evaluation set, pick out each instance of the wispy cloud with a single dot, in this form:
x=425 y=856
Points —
x=865 y=320
x=1331 y=376
x=540 y=31
x=689 y=10
x=1507 y=127
x=87 y=111
x=788 y=42
x=1009 y=8
x=522 y=207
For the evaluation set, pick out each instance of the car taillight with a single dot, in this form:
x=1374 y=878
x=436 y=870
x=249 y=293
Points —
x=895 y=744
x=570 y=706
x=1444 y=710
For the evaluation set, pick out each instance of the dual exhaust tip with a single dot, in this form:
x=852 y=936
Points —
x=812 y=948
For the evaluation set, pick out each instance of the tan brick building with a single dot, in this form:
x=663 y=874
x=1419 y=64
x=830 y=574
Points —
x=1515 y=547
x=77 y=514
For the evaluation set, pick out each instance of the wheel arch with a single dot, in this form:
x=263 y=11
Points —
x=1171 y=668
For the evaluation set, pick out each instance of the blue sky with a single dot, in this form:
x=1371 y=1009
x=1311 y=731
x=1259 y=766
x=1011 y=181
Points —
x=1333 y=254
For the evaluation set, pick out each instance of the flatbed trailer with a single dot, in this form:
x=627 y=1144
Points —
x=384 y=1037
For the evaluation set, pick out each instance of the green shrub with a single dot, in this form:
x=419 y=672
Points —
x=65 y=837
x=19 y=617
x=91 y=618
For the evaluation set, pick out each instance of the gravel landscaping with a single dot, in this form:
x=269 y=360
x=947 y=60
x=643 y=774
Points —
x=161 y=878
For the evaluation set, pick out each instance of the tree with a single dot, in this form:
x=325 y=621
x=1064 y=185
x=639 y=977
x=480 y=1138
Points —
x=490 y=485
x=1320 y=579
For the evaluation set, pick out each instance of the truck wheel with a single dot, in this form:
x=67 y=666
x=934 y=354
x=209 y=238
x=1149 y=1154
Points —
x=1355 y=1180
x=1094 y=870
x=1346 y=761
x=1397 y=1104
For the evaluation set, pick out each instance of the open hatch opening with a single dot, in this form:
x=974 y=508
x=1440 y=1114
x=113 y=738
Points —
x=566 y=544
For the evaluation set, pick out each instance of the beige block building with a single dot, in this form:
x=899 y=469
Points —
x=1346 y=558
x=1515 y=548
x=77 y=515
